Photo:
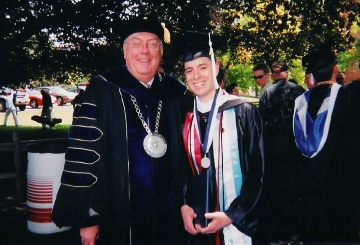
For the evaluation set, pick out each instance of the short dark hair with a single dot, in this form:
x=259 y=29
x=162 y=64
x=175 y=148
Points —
x=220 y=76
x=229 y=88
x=279 y=66
x=262 y=67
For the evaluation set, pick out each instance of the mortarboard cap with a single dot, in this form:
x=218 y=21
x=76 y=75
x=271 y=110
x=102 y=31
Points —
x=200 y=41
x=323 y=59
x=145 y=25
x=196 y=50
x=279 y=66
x=320 y=58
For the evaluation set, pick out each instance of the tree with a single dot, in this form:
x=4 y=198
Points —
x=285 y=29
x=88 y=33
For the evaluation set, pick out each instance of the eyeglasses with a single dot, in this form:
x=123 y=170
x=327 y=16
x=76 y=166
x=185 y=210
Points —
x=258 y=77
x=152 y=46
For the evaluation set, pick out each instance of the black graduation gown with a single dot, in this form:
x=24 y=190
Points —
x=246 y=209
x=331 y=179
x=282 y=177
x=106 y=156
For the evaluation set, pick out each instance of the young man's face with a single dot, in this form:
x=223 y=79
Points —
x=141 y=55
x=200 y=79
x=261 y=78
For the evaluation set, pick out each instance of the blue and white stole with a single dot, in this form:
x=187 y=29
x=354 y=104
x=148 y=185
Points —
x=224 y=140
x=311 y=135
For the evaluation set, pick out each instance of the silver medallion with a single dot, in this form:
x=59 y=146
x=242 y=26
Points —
x=155 y=145
x=205 y=162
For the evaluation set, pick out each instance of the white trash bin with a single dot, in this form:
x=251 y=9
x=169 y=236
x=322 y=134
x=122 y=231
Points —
x=45 y=166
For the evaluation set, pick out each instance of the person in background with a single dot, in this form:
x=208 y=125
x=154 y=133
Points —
x=46 y=111
x=117 y=183
x=276 y=108
x=232 y=89
x=14 y=98
x=340 y=78
x=261 y=74
x=77 y=98
x=11 y=108
x=327 y=135
x=223 y=143
x=221 y=78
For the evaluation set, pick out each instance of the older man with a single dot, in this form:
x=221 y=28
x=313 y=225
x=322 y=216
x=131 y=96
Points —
x=118 y=171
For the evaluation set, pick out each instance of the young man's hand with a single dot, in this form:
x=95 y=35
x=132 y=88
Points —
x=219 y=220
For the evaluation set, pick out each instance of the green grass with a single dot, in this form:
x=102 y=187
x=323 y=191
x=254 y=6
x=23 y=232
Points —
x=33 y=133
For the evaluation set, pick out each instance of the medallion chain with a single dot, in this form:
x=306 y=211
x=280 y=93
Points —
x=141 y=117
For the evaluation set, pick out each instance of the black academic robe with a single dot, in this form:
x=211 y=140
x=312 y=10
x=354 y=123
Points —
x=330 y=180
x=246 y=209
x=282 y=178
x=108 y=177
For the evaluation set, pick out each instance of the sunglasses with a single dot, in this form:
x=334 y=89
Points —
x=258 y=77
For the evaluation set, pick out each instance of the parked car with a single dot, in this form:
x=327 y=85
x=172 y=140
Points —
x=36 y=98
x=22 y=99
x=62 y=96
x=76 y=89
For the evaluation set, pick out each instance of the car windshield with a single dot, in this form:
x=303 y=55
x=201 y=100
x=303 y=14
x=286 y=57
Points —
x=58 y=90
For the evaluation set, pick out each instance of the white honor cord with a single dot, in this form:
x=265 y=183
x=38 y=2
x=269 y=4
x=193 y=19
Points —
x=213 y=63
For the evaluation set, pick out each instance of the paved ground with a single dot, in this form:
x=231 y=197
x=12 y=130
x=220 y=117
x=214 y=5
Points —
x=24 y=117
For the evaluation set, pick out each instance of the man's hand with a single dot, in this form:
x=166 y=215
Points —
x=188 y=216
x=218 y=221
x=89 y=235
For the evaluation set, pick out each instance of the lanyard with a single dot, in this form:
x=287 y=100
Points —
x=205 y=145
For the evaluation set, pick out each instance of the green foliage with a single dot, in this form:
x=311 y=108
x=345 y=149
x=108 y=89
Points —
x=33 y=133
x=241 y=74
x=347 y=59
x=89 y=33
x=297 y=72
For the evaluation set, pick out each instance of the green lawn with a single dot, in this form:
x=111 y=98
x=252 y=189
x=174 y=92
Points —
x=26 y=134
x=32 y=133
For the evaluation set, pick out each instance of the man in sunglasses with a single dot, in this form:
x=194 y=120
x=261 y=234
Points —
x=276 y=108
x=262 y=77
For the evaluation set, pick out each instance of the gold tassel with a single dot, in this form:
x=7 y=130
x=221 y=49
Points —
x=166 y=33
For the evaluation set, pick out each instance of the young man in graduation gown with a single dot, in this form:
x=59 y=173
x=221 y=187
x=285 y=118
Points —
x=325 y=133
x=117 y=182
x=222 y=138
